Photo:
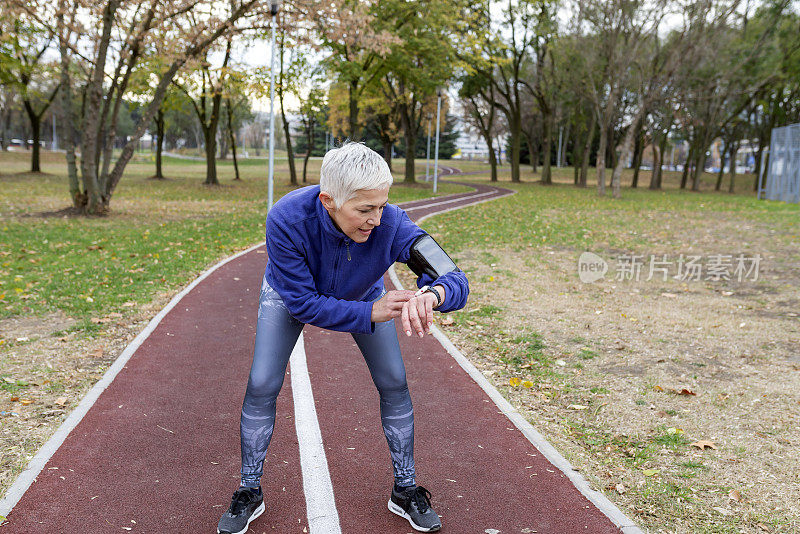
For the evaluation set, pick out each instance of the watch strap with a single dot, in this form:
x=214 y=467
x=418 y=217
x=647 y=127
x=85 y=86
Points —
x=436 y=294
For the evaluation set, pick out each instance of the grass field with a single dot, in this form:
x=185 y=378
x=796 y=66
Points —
x=621 y=375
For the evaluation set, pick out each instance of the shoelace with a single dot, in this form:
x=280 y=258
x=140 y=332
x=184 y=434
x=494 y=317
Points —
x=422 y=498
x=240 y=500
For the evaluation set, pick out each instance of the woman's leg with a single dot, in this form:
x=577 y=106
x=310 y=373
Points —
x=382 y=353
x=276 y=335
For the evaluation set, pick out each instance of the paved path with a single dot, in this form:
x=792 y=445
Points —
x=159 y=449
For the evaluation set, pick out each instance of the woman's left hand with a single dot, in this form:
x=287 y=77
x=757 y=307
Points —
x=417 y=314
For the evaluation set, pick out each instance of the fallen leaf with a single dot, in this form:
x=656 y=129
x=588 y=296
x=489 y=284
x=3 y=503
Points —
x=514 y=381
x=734 y=495
x=115 y=315
x=669 y=295
x=527 y=384
x=61 y=401
x=703 y=443
x=577 y=407
x=26 y=402
x=447 y=321
x=98 y=353
x=658 y=388
x=620 y=489
x=723 y=511
x=650 y=472
x=14 y=399
x=687 y=392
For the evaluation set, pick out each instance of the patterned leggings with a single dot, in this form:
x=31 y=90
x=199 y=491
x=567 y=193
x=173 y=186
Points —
x=276 y=335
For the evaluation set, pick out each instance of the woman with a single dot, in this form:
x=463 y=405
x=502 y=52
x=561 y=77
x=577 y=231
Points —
x=328 y=248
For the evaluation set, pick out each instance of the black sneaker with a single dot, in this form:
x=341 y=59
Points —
x=246 y=505
x=414 y=504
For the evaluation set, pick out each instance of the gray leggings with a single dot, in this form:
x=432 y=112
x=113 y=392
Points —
x=276 y=335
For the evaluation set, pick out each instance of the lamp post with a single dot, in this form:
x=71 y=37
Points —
x=274 y=13
x=436 y=155
x=428 y=150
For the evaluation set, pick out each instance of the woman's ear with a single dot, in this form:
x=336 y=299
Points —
x=327 y=201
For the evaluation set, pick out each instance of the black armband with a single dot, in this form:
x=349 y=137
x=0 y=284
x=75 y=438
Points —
x=427 y=257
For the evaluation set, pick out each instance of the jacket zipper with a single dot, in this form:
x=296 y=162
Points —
x=347 y=244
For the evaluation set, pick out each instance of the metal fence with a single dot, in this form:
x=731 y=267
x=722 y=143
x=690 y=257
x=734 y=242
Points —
x=783 y=174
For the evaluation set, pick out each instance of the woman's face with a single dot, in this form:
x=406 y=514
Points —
x=359 y=215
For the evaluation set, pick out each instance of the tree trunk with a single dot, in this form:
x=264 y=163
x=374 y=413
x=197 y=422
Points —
x=516 y=144
x=638 y=151
x=587 y=150
x=36 y=124
x=657 y=160
x=210 y=137
x=627 y=146
x=721 y=172
x=547 y=147
x=387 y=151
x=732 y=164
x=67 y=118
x=492 y=158
x=233 y=144
x=411 y=151
x=601 y=162
x=160 y=144
x=687 y=165
x=352 y=118
x=5 y=118
x=309 y=145
x=759 y=155
x=95 y=201
x=699 y=166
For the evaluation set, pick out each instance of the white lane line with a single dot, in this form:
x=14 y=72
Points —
x=37 y=463
x=317 y=486
x=450 y=201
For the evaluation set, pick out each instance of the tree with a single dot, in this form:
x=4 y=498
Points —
x=419 y=65
x=498 y=55
x=121 y=31
x=357 y=46
x=311 y=114
x=203 y=85
x=479 y=112
x=26 y=72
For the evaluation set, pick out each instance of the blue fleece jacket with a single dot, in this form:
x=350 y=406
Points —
x=327 y=279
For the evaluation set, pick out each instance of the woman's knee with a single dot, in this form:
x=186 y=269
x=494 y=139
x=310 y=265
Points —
x=392 y=381
x=264 y=385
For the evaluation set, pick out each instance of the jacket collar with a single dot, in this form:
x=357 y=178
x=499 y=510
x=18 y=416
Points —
x=326 y=222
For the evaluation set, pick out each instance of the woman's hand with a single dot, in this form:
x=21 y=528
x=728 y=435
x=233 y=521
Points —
x=417 y=314
x=390 y=305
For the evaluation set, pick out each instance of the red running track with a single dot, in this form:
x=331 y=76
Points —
x=159 y=450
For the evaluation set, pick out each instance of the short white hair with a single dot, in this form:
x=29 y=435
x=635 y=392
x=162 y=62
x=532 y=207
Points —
x=351 y=167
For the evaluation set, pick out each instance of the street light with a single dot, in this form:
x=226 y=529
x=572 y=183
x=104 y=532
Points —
x=436 y=156
x=428 y=152
x=273 y=11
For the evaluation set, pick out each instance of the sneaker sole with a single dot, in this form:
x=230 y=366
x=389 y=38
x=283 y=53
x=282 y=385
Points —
x=402 y=513
x=258 y=511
